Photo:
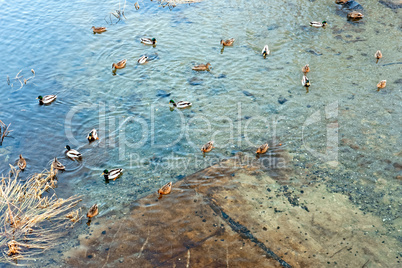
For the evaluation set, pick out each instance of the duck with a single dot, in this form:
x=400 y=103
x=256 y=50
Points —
x=228 y=42
x=46 y=99
x=148 y=41
x=305 y=81
x=57 y=165
x=381 y=84
x=113 y=174
x=73 y=154
x=92 y=135
x=181 y=104
x=207 y=147
x=98 y=29
x=202 y=67
x=265 y=51
x=93 y=211
x=143 y=59
x=317 y=24
x=262 y=149
x=378 y=55
x=22 y=163
x=355 y=15
x=306 y=69
x=165 y=189
x=120 y=65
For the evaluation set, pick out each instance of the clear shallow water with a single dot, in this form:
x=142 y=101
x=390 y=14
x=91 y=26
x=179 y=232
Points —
x=236 y=104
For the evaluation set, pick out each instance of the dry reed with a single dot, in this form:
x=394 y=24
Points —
x=4 y=131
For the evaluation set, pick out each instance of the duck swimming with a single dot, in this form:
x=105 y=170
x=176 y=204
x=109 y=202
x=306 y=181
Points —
x=73 y=154
x=181 y=104
x=22 y=163
x=120 y=65
x=318 y=24
x=265 y=51
x=207 y=147
x=46 y=99
x=98 y=29
x=113 y=174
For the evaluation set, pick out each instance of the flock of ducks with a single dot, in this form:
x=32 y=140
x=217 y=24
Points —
x=113 y=174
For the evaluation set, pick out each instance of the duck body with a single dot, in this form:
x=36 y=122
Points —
x=355 y=15
x=265 y=51
x=165 y=189
x=93 y=211
x=120 y=65
x=57 y=165
x=181 y=104
x=202 y=67
x=22 y=163
x=113 y=174
x=143 y=59
x=148 y=41
x=73 y=154
x=47 y=99
x=378 y=55
x=317 y=24
x=306 y=69
x=262 y=149
x=98 y=29
x=382 y=84
x=228 y=42
x=92 y=135
x=207 y=147
x=305 y=81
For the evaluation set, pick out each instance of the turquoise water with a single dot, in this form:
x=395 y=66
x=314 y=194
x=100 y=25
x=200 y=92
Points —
x=235 y=104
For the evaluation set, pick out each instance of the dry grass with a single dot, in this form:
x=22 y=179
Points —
x=31 y=219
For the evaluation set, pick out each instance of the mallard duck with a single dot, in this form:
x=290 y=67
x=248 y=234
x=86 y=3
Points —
x=202 y=67
x=93 y=135
x=46 y=99
x=148 y=41
x=355 y=15
x=306 y=69
x=228 y=42
x=305 y=81
x=98 y=29
x=120 y=65
x=143 y=59
x=265 y=51
x=317 y=24
x=181 y=104
x=378 y=55
x=93 y=211
x=136 y=5
x=207 y=147
x=22 y=163
x=262 y=149
x=381 y=84
x=165 y=189
x=73 y=154
x=113 y=174
x=57 y=165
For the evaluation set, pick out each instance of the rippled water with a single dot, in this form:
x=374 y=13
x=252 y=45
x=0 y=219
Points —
x=235 y=104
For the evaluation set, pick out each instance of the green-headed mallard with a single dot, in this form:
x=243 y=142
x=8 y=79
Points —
x=381 y=84
x=202 y=67
x=46 y=99
x=148 y=41
x=57 y=165
x=165 y=189
x=305 y=82
x=378 y=55
x=228 y=42
x=355 y=15
x=306 y=69
x=22 y=163
x=113 y=174
x=92 y=135
x=317 y=24
x=181 y=104
x=262 y=149
x=265 y=51
x=73 y=154
x=143 y=59
x=120 y=65
x=207 y=147
x=98 y=29
x=93 y=211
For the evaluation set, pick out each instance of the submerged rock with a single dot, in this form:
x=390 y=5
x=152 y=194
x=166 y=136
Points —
x=393 y=4
x=350 y=5
x=282 y=100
